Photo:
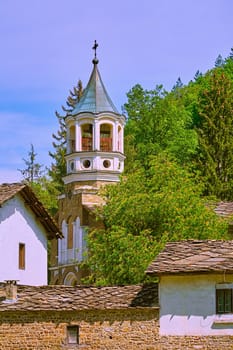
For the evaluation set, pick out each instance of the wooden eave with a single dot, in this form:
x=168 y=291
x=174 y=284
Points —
x=190 y=273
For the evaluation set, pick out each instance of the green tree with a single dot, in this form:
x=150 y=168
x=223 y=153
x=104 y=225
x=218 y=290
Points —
x=178 y=84
x=58 y=167
x=215 y=134
x=37 y=178
x=231 y=54
x=158 y=121
x=118 y=257
x=33 y=170
x=47 y=193
x=197 y=75
x=228 y=66
x=143 y=212
x=219 y=62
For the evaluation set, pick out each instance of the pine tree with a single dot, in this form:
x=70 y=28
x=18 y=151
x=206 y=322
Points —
x=197 y=75
x=215 y=133
x=58 y=167
x=33 y=170
x=178 y=84
x=219 y=62
x=231 y=54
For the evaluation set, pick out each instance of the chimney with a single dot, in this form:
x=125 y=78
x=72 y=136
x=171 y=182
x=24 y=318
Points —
x=11 y=291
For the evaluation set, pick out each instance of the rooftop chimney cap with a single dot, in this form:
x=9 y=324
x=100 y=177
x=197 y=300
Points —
x=13 y=282
x=11 y=291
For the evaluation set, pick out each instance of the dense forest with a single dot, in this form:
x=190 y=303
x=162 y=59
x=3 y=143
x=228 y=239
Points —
x=179 y=164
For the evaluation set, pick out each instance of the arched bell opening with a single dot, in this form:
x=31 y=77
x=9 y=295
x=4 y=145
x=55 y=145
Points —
x=72 y=147
x=87 y=137
x=106 y=137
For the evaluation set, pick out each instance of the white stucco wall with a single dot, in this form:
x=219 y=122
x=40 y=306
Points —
x=188 y=306
x=77 y=253
x=18 y=224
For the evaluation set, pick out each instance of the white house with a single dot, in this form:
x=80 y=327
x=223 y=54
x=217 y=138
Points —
x=25 y=227
x=195 y=288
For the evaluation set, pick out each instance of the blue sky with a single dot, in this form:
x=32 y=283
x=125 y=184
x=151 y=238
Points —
x=46 y=47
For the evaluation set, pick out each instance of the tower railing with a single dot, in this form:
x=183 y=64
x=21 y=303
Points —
x=106 y=144
x=86 y=143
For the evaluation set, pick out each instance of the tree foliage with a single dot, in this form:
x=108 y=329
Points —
x=58 y=167
x=158 y=121
x=47 y=192
x=215 y=135
x=36 y=177
x=33 y=170
x=148 y=208
x=219 y=62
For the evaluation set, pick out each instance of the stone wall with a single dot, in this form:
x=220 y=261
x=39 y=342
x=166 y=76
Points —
x=116 y=330
x=131 y=329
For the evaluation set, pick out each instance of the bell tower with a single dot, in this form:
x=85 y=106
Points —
x=95 y=132
x=94 y=158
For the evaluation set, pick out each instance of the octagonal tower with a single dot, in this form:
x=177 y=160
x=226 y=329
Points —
x=95 y=133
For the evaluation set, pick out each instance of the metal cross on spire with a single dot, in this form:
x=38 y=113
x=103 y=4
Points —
x=95 y=60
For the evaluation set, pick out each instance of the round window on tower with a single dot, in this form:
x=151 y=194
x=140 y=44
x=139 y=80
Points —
x=86 y=163
x=106 y=163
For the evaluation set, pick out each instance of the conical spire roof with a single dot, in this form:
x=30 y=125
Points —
x=95 y=98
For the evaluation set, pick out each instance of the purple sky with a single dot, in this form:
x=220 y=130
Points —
x=46 y=47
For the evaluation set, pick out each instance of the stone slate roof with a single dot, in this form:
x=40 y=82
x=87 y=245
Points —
x=66 y=298
x=224 y=209
x=8 y=191
x=193 y=256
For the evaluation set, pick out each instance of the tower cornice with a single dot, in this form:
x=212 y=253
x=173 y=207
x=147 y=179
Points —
x=96 y=116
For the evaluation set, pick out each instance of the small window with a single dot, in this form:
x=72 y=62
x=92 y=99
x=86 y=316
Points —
x=73 y=334
x=87 y=137
x=105 y=138
x=223 y=301
x=21 y=256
